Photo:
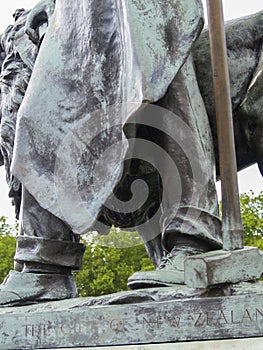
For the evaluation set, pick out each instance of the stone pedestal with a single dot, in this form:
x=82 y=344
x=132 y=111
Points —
x=154 y=316
x=236 y=344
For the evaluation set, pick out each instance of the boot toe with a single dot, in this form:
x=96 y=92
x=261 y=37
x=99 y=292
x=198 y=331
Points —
x=157 y=278
x=28 y=288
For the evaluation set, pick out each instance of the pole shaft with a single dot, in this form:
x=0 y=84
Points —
x=231 y=217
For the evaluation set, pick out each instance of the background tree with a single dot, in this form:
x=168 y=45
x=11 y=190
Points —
x=109 y=261
x=252 y=216
x=7 y=247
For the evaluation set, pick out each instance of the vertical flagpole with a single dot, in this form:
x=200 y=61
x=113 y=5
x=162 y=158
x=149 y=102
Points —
x=231 y=217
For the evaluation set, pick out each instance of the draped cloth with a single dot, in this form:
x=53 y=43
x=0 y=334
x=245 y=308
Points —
x=99 y=61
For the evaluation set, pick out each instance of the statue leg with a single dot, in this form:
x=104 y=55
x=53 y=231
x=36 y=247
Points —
x=190 y=219
x=249 y=115
x=47 y=252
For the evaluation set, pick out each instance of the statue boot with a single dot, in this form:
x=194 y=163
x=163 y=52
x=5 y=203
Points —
x=171 y=269
x=21 y=288
x=183 y=237
x=43 y=272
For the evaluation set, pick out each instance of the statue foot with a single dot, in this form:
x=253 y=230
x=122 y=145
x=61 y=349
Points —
x=169 y=273
x=28 y=288
x=157 y=278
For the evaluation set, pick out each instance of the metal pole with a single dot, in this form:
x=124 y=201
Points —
x=231 y=217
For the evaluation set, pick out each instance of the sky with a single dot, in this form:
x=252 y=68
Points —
x=249 y=179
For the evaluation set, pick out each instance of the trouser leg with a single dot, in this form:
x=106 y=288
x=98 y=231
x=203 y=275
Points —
x=189 y=222
x=249 y=115
x=189 y=206
x=45 y=243
x=47 y=252
x=192 y=210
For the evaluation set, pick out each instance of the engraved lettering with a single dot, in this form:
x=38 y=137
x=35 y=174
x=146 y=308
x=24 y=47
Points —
x=156 y=323
x=77 y=328
x=147 y=323
x=117 y=325
x=221 y=318
x=174 y=322
x=209 y=319
x=27 y=331
x=71 y=329
x=198 y=323
x=45 y=331
x=258 y=313
x=65 y=329
x=38 y=330
x=233 y=321
x=246 y=316
x=159 y=322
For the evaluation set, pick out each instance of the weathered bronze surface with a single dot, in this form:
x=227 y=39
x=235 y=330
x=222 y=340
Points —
x=99 y=94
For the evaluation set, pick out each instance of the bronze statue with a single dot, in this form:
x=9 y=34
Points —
x=93 y=86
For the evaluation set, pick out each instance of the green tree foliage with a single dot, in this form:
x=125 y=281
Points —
x=7 y=247
x=109 y=261
x=252 y=216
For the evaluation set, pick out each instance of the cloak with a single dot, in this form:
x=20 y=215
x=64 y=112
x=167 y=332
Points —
x=99 y=61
